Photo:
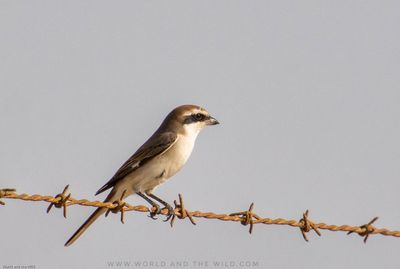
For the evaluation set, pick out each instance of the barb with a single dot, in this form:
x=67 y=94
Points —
x=62 y=199
x=367 y=229
x=246 y=217
x=183 y=213
x=307 y=225
x=119 y=207
x=4 y=193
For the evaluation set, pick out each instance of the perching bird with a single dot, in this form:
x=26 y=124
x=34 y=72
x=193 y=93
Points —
x=158 y=159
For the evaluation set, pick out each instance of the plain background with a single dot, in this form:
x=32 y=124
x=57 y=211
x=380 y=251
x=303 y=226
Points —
x=307 y=93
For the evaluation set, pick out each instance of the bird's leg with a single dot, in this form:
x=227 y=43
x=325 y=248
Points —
x=171 y=211
x=153 y=204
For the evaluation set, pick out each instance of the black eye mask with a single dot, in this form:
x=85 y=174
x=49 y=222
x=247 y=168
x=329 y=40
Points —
x=195 y=118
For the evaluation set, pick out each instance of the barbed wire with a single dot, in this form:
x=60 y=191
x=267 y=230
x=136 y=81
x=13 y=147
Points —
x=248 y=217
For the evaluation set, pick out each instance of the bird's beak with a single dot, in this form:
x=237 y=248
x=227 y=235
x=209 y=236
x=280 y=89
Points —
x=212 y=121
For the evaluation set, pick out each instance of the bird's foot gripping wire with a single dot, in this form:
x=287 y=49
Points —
x=171 y=211
x=155 y=210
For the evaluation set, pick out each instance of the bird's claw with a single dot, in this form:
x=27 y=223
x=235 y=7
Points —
x=171 y=212
x=155 y=212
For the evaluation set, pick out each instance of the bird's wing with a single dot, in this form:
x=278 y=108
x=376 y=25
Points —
x=152 y=148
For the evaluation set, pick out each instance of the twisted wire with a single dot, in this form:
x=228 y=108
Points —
x=248 y=217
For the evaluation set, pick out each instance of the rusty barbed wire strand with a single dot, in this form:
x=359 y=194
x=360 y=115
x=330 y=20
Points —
x=247 y=217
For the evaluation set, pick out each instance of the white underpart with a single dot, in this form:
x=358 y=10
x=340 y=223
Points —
x=164 y=166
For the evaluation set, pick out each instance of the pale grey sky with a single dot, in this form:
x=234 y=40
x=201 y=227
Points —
x=307 y=93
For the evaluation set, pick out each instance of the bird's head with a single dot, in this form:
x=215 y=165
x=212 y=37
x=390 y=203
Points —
x=190 y=119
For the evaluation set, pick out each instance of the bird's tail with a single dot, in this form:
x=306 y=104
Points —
x=113 y=196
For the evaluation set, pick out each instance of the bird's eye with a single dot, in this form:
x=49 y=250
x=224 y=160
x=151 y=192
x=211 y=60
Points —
x=198 y=117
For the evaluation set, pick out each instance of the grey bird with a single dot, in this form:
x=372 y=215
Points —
x=158 y=159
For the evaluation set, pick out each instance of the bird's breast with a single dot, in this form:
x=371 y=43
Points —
x=176 y=156
x=162 y=167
